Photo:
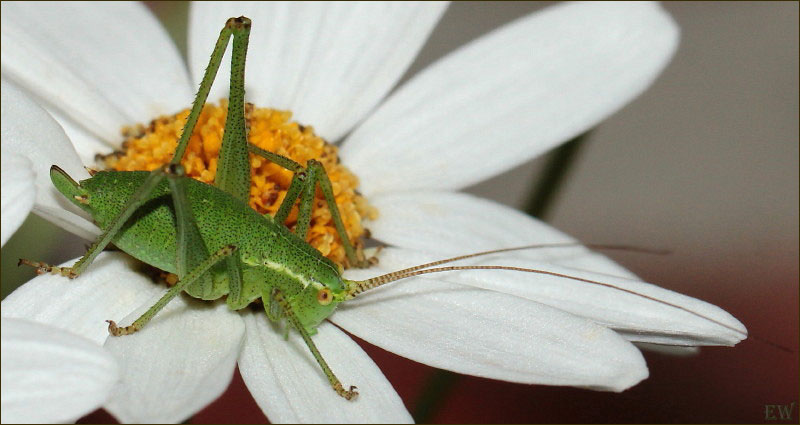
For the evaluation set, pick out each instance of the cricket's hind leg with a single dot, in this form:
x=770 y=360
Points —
x=303 y=186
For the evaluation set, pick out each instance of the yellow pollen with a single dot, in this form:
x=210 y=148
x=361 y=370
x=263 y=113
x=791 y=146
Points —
x=147 y=148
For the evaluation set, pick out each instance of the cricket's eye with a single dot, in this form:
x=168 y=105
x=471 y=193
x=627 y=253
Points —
x=324 y=296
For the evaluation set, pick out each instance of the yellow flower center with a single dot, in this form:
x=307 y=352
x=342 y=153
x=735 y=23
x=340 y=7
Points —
x=147 y=148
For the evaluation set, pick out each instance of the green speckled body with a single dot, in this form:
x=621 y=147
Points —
x=271 y=255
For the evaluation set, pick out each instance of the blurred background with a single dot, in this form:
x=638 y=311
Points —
x=705 y=163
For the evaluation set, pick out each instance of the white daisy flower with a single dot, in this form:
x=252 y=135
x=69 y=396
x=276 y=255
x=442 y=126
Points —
x=483 y=109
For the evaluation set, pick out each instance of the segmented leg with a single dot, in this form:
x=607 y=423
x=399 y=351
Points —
x=234 y=26
x=192 y=276
x=233 y=167
x=303 y=185
x=290 y=315
x=44 y=268
x=271 y=307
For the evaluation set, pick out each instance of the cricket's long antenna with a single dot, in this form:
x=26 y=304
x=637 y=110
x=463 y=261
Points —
x=607 y=247
x=360 y=286
x=365 y=285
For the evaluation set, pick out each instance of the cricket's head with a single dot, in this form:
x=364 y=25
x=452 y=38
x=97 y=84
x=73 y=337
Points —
x=319 y=298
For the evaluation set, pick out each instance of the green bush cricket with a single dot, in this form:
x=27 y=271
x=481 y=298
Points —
x=303 y=285
x=215 y=243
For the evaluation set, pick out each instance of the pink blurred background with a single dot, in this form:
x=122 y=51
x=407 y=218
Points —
x=705 y=163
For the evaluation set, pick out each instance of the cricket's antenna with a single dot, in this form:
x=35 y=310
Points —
x=605 y=247
x=400 y=274
x=365 y=285
x=774 y=344
x=360 y=286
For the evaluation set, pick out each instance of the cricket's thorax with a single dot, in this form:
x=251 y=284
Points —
x=269 y=252
x=147 y=148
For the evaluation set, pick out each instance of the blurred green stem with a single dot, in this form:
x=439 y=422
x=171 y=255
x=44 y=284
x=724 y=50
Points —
x=550 y=180
x=553 y=176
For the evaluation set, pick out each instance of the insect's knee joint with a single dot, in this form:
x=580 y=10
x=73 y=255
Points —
x=175 y=169
x=241 y=22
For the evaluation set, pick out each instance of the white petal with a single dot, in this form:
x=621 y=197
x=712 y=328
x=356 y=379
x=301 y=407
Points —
x=289 y=385
x=18 y=192
x=489 y=334
x=29 y=131
x=86 y=144
x=204 y=337
x=108 y=289
x=105 y=65
x=656 y=315
x=179 y=363
x=49 y=375
x=511 y=95
x=436 y=223
x=329 y=63
x=451 y=223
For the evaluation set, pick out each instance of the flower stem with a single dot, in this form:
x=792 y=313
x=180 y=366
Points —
x=435 y=391
x=553 y=176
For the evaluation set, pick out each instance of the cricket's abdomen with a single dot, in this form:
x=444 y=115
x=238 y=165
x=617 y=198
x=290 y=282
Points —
x=150 y=235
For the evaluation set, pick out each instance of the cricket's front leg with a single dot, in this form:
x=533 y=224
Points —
x=320 y=177
x=337 y=386
x=303 y=186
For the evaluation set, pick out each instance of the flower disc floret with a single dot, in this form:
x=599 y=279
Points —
x=147 y=148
